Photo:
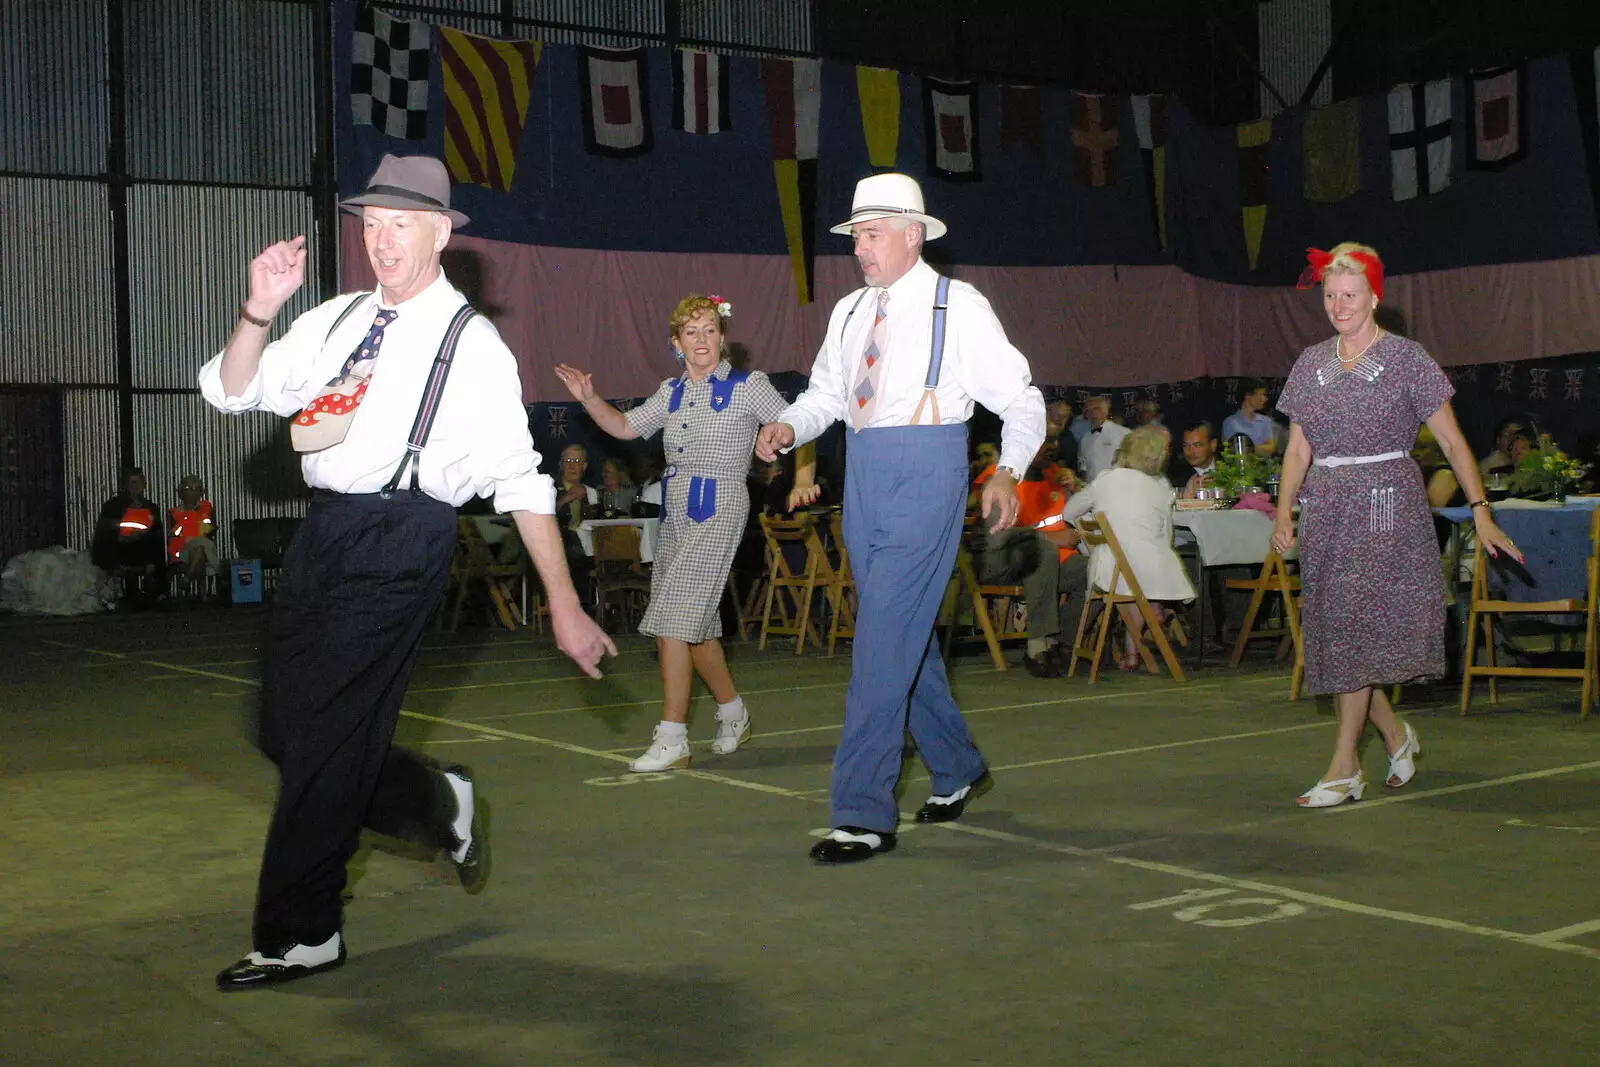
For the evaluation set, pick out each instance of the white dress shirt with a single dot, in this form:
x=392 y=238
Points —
x=480 y=444
x=979 y=364
x=1098 y=449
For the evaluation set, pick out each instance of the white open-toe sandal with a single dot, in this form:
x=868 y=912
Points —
x=1327 y=794
x=1403 y=764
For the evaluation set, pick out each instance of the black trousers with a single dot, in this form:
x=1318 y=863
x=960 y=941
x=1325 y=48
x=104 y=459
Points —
x=360 y=580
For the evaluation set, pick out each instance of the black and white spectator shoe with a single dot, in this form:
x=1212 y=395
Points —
x=851 y=844
x=289 y=965
x=949 y=808
x=469 y=830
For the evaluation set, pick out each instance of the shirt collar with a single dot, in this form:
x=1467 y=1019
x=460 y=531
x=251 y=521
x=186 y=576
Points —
x=720 y=371
x=912 y=282
x=435 y=295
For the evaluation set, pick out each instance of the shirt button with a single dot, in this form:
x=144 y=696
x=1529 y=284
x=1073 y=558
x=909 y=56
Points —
x=691 y=403
x=686 y=426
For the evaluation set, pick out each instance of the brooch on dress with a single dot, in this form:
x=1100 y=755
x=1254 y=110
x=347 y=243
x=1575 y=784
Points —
x=1367 y=367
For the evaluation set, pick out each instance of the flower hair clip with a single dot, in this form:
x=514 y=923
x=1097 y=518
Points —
x=724 y=309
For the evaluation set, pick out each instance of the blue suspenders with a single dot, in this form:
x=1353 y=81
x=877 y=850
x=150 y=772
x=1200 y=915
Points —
x=941 y=307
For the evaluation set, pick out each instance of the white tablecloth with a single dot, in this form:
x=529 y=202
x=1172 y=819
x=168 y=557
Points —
x=1233 y=536
x=650 y=533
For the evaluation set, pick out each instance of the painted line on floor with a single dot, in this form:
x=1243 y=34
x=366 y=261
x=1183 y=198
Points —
x=1163 y=746
x=453 y=663
x=1349 y=907
x=698 y=699
x=1563 y=932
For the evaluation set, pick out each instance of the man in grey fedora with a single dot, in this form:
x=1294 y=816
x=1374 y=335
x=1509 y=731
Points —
x=404 y=405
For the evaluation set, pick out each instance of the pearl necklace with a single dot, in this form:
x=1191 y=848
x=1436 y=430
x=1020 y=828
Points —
x=1339 y=348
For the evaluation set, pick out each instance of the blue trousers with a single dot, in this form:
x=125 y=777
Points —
x=905 y=496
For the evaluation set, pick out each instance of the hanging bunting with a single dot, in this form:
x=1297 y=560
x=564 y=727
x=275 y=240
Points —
x=1420 y=140
x=794 y=110
x=1094 y=137
x=389 y=74
x=1499 y=118
x=879 y=90
x=1331 y=152
x=612 y=94
x=950 y=128
x=487 y=85
x=1022 y=118
x=699 y=92
x=1585 y=65
x=1254 y=183
x=1150 y=126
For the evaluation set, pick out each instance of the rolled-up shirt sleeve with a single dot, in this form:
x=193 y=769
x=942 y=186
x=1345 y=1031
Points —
x=284 y=382
x=994 y=373
x=490 y=446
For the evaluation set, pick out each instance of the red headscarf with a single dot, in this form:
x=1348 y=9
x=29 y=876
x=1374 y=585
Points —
x=1317 y=265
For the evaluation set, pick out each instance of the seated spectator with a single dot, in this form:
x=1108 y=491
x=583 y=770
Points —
x=650 y=487
x=192 y=529
x=129 y=540
x=1146 y=413
x=575 y=501
x=1499 y=461
x=1199 y=459
x=617 y=491
x=1252 y=420
x=1138 y=505
x=1442 y=487
x=1040 y=554
x=1098 y=447
x=1058 y=428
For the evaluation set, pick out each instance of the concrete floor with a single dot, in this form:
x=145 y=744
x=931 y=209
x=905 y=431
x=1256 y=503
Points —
x=1138 y=888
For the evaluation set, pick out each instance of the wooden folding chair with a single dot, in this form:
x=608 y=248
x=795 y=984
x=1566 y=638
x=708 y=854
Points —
x=994 y=606
x=619 y=571
x=1273 y=580
x=1485 y=610
x=475 y=561
x=1097 y=531
x=789 y=592
x=842 y=595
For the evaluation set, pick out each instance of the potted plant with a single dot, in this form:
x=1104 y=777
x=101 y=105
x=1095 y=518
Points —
x=1236 y=475
x=1546 y=473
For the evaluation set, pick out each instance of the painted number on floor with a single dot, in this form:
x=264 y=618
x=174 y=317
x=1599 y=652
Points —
x=1265 y=909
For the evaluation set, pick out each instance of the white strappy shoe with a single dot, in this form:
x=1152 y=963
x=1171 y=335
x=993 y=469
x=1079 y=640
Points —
x=1403 y=764
x=1328 y=794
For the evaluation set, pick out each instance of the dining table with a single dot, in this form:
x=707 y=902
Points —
x=649 y=534
x=1222 y=537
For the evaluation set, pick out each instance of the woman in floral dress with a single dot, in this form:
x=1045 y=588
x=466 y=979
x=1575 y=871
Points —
x=1374 y=596
x=709 y=416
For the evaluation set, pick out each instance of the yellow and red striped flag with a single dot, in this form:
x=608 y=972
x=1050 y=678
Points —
x=487 y=85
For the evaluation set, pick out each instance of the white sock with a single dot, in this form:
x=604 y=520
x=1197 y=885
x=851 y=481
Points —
x=732 y=711
x=672 y=733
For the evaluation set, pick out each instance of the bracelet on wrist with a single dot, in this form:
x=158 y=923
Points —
x=1479 y=504
x=252 y=320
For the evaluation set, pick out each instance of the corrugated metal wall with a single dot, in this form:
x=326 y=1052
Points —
x=52 y=79
x=90 y=465
x=1294 y=36
x=729 y=25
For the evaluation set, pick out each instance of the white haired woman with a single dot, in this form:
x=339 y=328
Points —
x=1137 y=502
x=709 y=416
x=1374 y=604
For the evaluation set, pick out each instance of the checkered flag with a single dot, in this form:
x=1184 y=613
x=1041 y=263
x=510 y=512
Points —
x=389 y=74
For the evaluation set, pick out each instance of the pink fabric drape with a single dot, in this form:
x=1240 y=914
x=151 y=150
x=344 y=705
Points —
x=606 y=311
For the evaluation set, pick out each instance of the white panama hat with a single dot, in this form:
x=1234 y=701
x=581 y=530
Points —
x=887 y=196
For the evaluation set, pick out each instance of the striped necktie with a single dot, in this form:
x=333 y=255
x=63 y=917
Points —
x=324 y=422
x=865 y=395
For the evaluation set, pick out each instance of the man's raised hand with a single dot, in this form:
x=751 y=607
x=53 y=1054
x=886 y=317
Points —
x=275 y=274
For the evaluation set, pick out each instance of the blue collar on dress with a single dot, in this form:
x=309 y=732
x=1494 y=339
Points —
x=723 y=378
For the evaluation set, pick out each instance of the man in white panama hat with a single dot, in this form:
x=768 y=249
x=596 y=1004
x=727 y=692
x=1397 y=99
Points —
x=389 y=452
x=903 y=361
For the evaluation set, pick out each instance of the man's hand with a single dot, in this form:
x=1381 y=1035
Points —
x=275 y=275
x=1000 y=501
x=579 y=637
x=804 y=496
x=774 y=436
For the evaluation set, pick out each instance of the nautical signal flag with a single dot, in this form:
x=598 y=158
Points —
x=487 y=85
x=950 y=128
x=1095 y=137
x=879 y=92
x=1420 y=141
x=1255 y=186
x=1331 y=152
x=1021 y=117
x=699 y=92
x=612 y=94
x=1499 y=118
x=1150 y=126
x=794 y=110
x=389 y=74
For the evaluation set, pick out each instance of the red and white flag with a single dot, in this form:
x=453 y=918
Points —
x=1499 y=118
x=612 y=86
x=950 y=117
x=699 y=92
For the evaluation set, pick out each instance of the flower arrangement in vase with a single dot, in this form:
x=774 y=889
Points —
x=1546 y=472
x=1236 y=475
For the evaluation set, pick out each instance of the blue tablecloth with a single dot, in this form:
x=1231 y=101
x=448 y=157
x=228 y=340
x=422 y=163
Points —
x=1555 y=542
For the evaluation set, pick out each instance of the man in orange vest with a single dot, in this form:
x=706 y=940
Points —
x=129 y=540
x=1040 y=553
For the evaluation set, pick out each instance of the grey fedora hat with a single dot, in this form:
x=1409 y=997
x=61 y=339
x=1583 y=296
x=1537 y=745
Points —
x=410 y=183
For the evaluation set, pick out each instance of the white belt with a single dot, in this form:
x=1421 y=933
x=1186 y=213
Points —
x=1350 y=461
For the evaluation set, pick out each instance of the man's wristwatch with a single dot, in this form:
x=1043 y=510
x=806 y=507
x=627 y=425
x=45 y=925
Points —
x=1016 y=475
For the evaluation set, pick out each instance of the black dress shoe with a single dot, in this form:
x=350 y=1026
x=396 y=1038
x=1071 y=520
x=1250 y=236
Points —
x=950 y=812
x=256 y=971
x=1042 y=666
x=833 y=850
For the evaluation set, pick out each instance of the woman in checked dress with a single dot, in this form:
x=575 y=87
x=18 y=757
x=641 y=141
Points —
x=1374 y=596
x=708 y=417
